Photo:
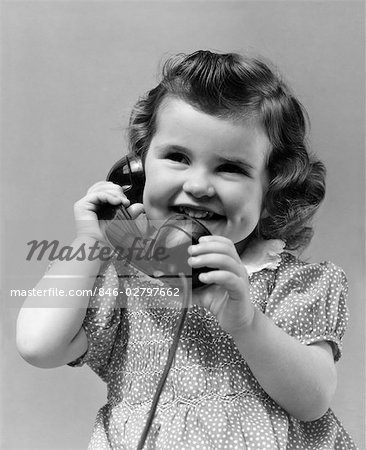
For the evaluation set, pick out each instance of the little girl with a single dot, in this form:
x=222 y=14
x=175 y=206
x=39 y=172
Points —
x=222 y=140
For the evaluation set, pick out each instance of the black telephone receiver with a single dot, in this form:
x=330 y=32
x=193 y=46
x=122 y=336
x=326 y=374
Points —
x=129 y=173
x=174 y=236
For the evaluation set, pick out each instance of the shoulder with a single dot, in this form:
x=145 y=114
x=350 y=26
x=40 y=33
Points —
x=295 y=271
x=295 y=276
x=309 y=301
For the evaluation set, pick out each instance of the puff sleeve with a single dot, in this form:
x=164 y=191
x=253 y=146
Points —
x=308 y=302
x=102 y=321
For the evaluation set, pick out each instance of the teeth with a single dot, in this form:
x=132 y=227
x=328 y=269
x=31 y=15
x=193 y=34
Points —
x=196 y=214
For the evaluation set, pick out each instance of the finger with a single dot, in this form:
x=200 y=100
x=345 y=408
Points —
x=214 y=238
x=105 y=186
x=98 y=198
x=213 y=247
x=234 y=285
x=135 y=210
x=217 y=261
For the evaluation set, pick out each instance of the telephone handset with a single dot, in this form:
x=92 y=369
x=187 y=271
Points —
x=173 y=236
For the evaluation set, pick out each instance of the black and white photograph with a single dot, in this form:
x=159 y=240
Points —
x=183 y=225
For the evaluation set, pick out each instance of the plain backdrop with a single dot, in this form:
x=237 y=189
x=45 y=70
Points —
x=70 y=73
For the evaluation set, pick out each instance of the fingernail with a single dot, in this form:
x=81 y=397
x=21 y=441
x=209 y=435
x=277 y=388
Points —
x=203 y=238
x=192 y=249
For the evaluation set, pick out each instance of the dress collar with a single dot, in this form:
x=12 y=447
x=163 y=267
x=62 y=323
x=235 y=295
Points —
x=263 y=254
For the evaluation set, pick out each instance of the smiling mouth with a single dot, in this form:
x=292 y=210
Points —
x=197 y=213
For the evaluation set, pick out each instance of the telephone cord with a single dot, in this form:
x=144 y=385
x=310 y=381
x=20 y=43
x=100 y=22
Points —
x=168 y=363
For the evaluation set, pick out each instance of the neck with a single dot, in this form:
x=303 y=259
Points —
x=242 y=245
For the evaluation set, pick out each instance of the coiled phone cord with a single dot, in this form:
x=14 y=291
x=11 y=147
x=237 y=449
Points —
x=168 y=364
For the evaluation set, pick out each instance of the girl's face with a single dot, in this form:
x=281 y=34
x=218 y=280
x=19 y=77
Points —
x=210 y=168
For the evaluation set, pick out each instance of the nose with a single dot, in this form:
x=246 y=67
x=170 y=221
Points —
x=198 y=185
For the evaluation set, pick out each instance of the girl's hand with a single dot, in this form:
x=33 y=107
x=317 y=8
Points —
x=86 y=209
x=227 y=297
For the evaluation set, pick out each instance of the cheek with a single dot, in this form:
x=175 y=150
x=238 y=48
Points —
x=157 y=186
x=245 y=204
x=151 y=190
x=150 y=183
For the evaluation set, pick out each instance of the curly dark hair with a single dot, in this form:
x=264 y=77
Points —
x=234 y=86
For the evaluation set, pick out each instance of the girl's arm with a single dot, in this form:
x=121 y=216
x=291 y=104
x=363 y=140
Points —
x=51 y=335
x=300 y=378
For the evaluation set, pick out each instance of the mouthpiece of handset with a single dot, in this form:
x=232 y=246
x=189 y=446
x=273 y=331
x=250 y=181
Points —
x=175 y=235
x=161 y=253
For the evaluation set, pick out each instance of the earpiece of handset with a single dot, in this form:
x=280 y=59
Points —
x=128 y=172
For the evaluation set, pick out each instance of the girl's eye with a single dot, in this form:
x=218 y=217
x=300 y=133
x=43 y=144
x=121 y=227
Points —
x=177 y=156
x=232 y=168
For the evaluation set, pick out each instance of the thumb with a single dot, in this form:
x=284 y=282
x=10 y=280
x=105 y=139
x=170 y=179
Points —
x=135 y=210
x=137 y=213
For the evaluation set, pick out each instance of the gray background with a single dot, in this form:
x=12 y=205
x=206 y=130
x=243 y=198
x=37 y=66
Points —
x=71 y=72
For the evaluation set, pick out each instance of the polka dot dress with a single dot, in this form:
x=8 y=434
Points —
x=211 y=400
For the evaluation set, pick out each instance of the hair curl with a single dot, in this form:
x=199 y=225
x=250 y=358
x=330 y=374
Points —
x=237 y=87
